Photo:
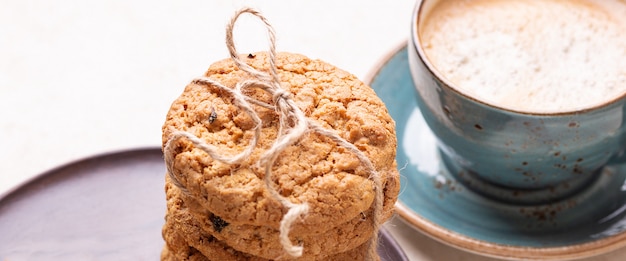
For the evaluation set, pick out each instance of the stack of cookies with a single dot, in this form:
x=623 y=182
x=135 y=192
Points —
x=224 y=211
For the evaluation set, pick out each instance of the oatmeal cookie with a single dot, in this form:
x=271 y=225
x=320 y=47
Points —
x=264 y=241
x=184 y=240
x=182 y=254
x=315 y=171
x=188 y=238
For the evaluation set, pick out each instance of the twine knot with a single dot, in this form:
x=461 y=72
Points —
x=293 y=124
x=281 y=94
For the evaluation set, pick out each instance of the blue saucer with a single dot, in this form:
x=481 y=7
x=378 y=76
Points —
x=589 y=223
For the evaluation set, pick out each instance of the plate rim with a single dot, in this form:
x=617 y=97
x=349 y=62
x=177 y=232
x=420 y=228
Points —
x=485 y=248
x=489 y=249
x=40 y=175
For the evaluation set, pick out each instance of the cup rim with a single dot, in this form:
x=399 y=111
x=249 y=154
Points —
x=417 y=45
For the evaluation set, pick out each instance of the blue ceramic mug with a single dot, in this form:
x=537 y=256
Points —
x=511 y=152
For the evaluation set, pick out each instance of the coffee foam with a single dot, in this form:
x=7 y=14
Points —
x=535 y=56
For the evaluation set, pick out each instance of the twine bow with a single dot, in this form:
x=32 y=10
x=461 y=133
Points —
x=293 y=124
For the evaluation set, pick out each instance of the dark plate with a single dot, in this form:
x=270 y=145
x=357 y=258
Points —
x=107 y=207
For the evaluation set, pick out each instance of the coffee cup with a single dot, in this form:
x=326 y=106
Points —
x=522 y=102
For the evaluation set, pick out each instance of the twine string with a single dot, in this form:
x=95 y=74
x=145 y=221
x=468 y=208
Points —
x=293 y=125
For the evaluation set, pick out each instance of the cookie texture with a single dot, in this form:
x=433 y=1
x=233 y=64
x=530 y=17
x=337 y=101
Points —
x=315 y=171
x=188 y=241
x=264 y=241
x=185 y=253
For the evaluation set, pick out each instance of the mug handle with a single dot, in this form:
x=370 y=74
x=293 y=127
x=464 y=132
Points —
x=618 y=158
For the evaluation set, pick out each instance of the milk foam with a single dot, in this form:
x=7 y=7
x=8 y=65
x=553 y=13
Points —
x=535 y=56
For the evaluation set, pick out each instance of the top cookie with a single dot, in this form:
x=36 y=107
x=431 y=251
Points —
x=327 y=177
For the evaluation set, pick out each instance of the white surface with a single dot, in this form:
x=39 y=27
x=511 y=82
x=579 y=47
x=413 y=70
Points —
x=79 y=78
